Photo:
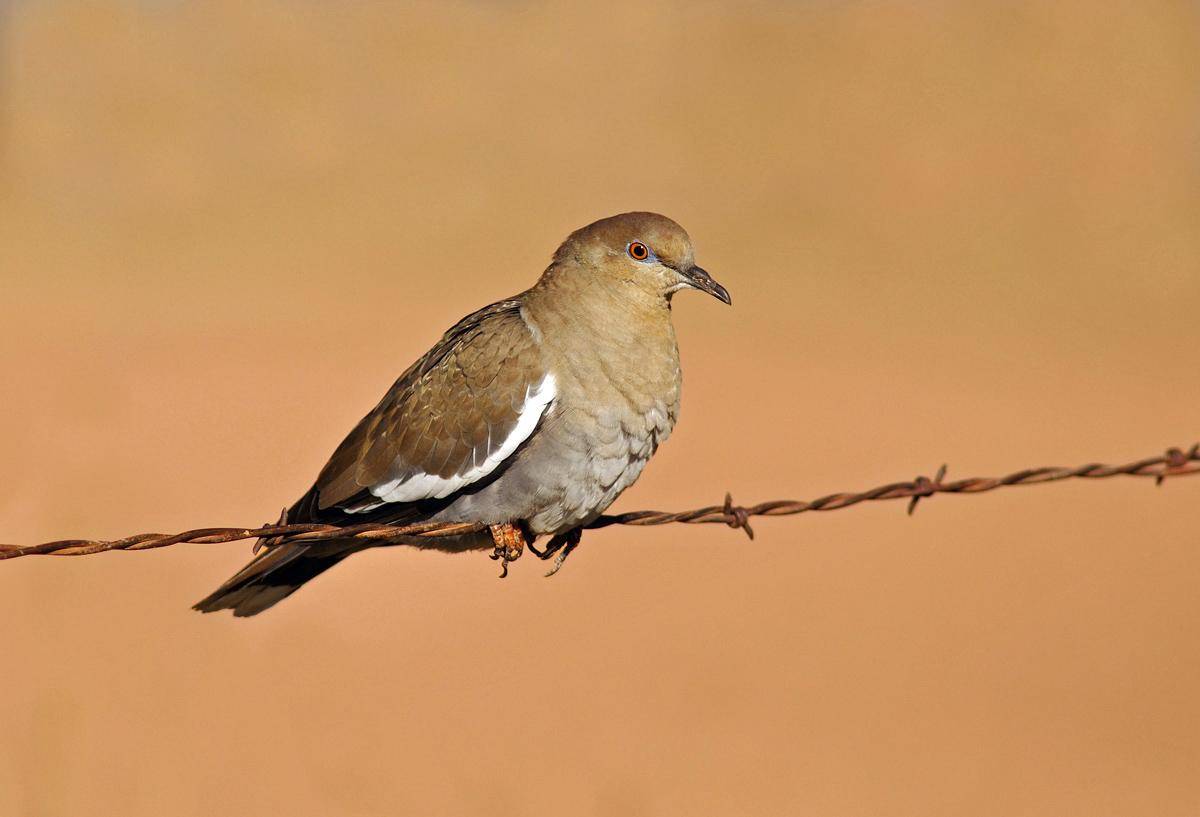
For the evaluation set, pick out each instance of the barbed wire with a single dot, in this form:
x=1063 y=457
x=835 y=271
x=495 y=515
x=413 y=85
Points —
x=1175 y=462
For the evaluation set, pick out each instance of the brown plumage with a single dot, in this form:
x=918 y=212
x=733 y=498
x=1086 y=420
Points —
x=532 y=413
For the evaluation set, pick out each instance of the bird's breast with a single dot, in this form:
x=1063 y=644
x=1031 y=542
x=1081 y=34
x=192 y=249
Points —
x=616 y=404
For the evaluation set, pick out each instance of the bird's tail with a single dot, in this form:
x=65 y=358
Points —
x=274 y=575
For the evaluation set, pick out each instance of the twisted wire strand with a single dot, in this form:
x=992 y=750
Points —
x=1175 y=462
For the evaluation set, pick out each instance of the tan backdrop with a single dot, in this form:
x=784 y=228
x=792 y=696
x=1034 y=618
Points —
x=954 y=232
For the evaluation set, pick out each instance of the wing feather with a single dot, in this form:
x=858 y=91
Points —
x=449 y=421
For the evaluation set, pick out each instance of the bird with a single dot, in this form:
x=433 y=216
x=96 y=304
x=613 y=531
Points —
x=530 y=415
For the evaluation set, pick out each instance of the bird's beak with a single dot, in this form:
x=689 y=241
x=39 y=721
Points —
x=704 y=282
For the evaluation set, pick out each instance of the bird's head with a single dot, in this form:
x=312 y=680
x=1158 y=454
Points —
x=646 y=252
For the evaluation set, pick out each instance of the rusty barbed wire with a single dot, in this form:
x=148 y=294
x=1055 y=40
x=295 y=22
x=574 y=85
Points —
x=1175 y=462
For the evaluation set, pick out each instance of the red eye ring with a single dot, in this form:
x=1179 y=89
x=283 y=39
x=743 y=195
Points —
x=639 y=251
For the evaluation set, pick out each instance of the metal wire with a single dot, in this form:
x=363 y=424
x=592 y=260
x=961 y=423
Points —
x=1175 y=462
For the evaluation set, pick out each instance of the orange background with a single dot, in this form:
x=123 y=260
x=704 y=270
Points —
x=960 y=232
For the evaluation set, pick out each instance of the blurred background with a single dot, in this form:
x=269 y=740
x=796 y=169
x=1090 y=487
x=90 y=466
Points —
x=954 y=232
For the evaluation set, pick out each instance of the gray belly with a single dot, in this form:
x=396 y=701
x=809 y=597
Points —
x=573 y=467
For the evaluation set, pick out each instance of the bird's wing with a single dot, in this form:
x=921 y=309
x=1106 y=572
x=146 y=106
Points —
x=449 y=421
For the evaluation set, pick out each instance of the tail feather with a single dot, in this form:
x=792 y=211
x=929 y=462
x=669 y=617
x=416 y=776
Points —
x=283 y=567
x=270 y=577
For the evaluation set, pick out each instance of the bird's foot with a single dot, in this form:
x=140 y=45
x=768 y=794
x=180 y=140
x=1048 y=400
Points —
x=510 y=542
x=562 y=544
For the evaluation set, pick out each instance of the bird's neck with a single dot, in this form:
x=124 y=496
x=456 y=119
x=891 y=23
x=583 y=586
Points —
x=580 y=307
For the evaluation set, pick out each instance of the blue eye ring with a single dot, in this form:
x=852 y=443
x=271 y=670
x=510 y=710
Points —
x=639 y=251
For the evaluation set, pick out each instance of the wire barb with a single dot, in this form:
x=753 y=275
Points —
x=927 y=488
x=1175 y=462
x=1177 y=459
x=736 y=516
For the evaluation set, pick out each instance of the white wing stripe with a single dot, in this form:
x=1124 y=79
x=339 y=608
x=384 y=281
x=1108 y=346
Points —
x=430 y=486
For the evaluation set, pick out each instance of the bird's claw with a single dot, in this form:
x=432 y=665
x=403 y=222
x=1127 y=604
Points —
x=509 y=541
x=563 y=544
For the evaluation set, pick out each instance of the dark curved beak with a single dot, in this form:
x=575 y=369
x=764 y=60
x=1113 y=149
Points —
x=701 y=280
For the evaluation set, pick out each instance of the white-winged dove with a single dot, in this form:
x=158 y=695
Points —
x=531 y=415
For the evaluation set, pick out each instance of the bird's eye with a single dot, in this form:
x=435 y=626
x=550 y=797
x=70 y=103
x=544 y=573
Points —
x=639 y=251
